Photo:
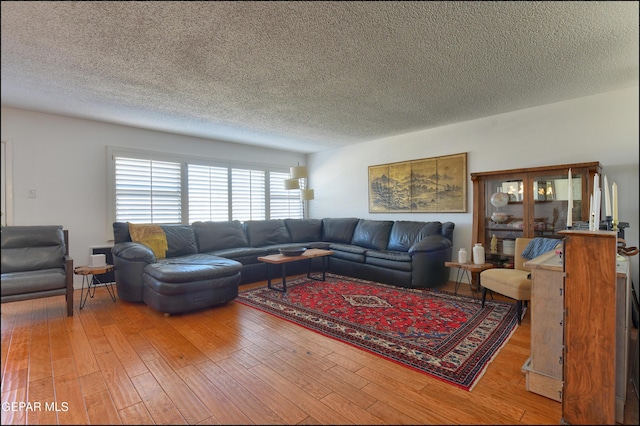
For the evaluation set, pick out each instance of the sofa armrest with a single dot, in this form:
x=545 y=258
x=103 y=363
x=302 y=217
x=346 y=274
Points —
x=428 y=257
x=134 y=252
x=129 y=261
x=431 y=243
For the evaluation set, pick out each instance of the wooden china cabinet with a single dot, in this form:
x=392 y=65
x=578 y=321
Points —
x=533 y=203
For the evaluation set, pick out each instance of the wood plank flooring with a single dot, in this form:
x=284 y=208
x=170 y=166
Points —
x=124 y=363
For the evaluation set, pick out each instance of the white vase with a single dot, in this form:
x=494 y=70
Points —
x=462 y=255
x=478 y=254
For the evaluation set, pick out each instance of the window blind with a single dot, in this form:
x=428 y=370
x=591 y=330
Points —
x=283 y=204
x=208 y=193
x=147 y=191
x=248 y=194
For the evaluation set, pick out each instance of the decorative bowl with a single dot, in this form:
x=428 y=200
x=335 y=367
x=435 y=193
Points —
x=292 y=251
x=500 y=217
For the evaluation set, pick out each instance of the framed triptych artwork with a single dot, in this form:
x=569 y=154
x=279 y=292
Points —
x=428 y=185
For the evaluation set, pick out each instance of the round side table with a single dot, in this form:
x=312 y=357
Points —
x=91 y=281
x=470 y=270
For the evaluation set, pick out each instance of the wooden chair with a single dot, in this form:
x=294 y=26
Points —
x=513 y=283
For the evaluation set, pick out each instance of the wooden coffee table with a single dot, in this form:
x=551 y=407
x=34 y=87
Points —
x=280 y=259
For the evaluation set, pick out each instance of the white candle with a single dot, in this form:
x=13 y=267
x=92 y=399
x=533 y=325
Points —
x=570 y=203
x=614 y=189
x=591 y=214
x=597 y=207
x=607 y=199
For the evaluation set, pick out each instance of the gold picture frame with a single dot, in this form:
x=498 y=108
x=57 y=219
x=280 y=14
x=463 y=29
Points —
x=428 y=185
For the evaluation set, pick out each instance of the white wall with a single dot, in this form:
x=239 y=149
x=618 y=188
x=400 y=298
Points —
x=600 y=128
x=64 y=160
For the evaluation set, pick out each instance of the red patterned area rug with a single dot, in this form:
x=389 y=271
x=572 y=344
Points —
x=438 y=333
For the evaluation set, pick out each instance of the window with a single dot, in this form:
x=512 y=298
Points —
x=208 y=193
x=150 y=188
x=248 y=194
x=283 y=204
x=147 y=191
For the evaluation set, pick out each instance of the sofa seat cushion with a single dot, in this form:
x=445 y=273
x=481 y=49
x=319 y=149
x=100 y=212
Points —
x=397 y=260
x=33 y=281
x=244 y=255
x=192 y=268
x=348 y=252
x=395 y=256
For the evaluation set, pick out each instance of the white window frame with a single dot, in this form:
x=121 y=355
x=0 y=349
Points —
x=114 y=151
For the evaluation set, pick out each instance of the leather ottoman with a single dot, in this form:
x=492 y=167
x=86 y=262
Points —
x=190 y=283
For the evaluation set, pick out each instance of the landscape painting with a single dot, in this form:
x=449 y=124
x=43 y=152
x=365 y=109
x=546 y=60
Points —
x=428 y=185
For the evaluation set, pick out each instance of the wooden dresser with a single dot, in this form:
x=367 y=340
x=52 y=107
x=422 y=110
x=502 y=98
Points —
x=580 y=326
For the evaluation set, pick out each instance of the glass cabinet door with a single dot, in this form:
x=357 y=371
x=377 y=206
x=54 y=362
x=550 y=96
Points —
x=504 y=219
x=531 y=202
x=551 y=203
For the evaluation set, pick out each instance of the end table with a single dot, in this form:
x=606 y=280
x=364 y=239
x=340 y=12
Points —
x=471 y=270
x=91 y=281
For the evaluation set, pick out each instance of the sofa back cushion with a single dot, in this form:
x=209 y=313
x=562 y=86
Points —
x=181 y=239
x=405 y=234
x=373 y=234
x=266 y=232
x=32 y=248
x=338 y=230
x=121 y=232
x=213 y=236
x=304 y=230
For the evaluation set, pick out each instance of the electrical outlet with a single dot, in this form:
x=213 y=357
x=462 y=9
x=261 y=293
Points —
x=32 y=193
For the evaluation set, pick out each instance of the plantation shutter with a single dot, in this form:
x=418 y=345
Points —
x=248 y=194
x=283 y=204
x=208 y=193
x=147 y=191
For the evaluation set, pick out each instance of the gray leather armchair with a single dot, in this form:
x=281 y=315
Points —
x=36 y=263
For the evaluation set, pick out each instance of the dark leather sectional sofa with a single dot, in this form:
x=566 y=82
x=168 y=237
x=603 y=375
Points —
x=206 y=261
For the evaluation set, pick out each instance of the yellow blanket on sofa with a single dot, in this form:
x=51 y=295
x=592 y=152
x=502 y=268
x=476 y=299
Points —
x=151 y=236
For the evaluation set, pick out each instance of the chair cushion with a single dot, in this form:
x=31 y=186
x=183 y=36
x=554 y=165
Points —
x=512 y=283
x=33 y=281
x=32 y=248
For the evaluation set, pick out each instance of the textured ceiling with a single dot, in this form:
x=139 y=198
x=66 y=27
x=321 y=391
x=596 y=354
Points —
x=308 y=76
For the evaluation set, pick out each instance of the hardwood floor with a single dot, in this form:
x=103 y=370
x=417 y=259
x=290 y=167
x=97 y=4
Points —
x=124 y=363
